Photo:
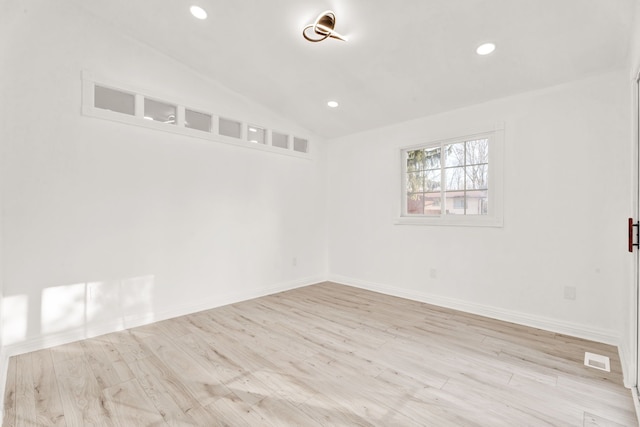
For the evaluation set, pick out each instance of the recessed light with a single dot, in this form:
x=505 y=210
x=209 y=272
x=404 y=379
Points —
x=253 y=130
x=198 y=12
x=333 y=104
x=148 y=118
x=485 y=49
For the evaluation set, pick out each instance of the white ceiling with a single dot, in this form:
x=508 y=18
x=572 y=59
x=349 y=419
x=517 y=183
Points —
x=404 y=59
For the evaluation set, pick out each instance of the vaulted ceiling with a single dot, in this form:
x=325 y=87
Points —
x=404 y=59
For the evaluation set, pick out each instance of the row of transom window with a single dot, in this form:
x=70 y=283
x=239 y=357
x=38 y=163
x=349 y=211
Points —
x=166 y=113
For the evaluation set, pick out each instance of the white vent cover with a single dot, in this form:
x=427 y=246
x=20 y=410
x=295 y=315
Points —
x=597 y=361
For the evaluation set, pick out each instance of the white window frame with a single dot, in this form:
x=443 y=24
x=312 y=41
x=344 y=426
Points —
x=494 y=217
x=90 y=80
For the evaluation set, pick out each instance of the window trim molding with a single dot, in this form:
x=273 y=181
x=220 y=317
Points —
x=495 y=218
x=90 y=80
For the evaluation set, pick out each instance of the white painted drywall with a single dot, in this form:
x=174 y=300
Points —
x=628 y=348
x=567 y=188
x=8 y=11
x=634 y=44
x=108 y=225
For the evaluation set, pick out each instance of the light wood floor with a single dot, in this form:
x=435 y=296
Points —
x=321 y=355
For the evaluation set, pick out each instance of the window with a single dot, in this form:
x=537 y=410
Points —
x=458 y=203
x=159 y=111
x=196 y=120
x=453 y=182
x=112 y=101
x=256 y=134
x=229 y=127
x=299 y=144
x=279 y=140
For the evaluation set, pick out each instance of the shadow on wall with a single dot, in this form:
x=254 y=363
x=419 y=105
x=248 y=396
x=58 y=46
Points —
x=86 y=309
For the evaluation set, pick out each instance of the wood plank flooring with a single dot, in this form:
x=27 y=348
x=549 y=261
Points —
x=323 y=355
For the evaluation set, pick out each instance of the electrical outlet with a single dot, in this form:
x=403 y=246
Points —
x=294 y=261
x=570 y=292
x=433 y=273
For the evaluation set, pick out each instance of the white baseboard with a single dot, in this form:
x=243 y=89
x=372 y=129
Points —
x=4 y=367
x=235 y=297
x=636 y=402
x=38 y=343
x=101 y=328
x=126 y=322
x=540 y=322
x=628 y=369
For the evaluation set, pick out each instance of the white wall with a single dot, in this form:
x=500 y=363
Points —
x=631 y=326
x=634 y=45
x=108 y=225
x=567 y=189
x=7 y=25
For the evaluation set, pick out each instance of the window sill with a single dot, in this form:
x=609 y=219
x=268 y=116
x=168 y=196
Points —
x=459 y=221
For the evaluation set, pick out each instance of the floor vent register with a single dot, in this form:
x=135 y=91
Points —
x=597 y=361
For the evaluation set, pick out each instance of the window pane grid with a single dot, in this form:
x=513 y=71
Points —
x=460 y=179
x=103 y=101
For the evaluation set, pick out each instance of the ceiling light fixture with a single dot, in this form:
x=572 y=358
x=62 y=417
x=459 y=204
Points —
x=322 y=28
x=485 y=49
x=198 y=12
x=333 y=104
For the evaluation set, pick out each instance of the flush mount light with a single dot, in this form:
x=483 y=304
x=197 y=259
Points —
x=198 y=12
x=322 y=28
x=333 y=104
x=485 y=49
